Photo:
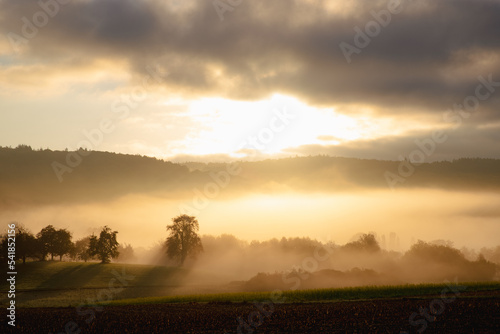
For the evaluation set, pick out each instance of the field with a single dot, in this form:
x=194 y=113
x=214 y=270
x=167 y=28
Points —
x=60 y=284
x=470 y=314
x=51 y=298
x=72 y=283
x=69 y=284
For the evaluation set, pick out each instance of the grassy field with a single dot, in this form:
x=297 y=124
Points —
x=56 y=284
x=74 y=275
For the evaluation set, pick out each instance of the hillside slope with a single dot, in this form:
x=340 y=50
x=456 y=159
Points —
x=29 y=177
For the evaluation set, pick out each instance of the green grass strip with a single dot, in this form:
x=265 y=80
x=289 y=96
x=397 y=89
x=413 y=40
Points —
x=317 y=295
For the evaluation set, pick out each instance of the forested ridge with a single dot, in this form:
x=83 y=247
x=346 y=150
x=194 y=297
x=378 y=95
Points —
x=30 y=177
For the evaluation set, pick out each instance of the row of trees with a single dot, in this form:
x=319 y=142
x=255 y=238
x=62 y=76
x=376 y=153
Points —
x=57 y=242
x=182 y=242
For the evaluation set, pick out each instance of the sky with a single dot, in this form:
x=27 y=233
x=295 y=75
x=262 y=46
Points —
x=238 y=79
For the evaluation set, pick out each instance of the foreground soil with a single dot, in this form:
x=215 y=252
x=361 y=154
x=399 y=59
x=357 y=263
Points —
x=470 y=313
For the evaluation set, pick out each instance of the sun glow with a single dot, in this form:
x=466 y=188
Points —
x=268 y=127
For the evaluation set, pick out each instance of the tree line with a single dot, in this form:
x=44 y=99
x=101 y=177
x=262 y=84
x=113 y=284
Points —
x=52 y=242
x=183 y=241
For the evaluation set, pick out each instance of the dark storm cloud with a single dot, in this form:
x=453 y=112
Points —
x=428 y=57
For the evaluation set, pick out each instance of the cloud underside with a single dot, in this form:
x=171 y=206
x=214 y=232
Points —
x=428 y=57
x=425 y=61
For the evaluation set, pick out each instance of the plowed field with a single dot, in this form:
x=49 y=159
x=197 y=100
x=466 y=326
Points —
x=471 y=313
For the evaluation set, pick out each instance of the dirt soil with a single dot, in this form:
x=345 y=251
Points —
x=471 y=313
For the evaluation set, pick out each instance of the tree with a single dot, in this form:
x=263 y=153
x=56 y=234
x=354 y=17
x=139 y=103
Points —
x=4 y=249
x=26 y=243
x=126 y=253
x=105 y=247
x=365 y=243
x=80 y=250
x=46 y=238
x=54 y=242
x=62 y=243
x=183 y=239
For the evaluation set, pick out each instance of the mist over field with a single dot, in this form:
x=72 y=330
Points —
x=303 y=222
x=467 y=218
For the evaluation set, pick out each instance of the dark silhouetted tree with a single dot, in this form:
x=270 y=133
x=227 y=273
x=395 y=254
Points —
x=46 y=238
x=26 y=243
x=105 y=247
x=4 y=249
x=183 y=240
x=54 y=242
x=62 y=243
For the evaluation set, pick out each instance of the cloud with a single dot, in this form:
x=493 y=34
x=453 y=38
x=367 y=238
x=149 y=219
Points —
x=51 y=79
x=426 y=57
x=426 y=60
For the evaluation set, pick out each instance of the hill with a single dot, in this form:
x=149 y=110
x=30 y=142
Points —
x=29 y=177
x=38 y=177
